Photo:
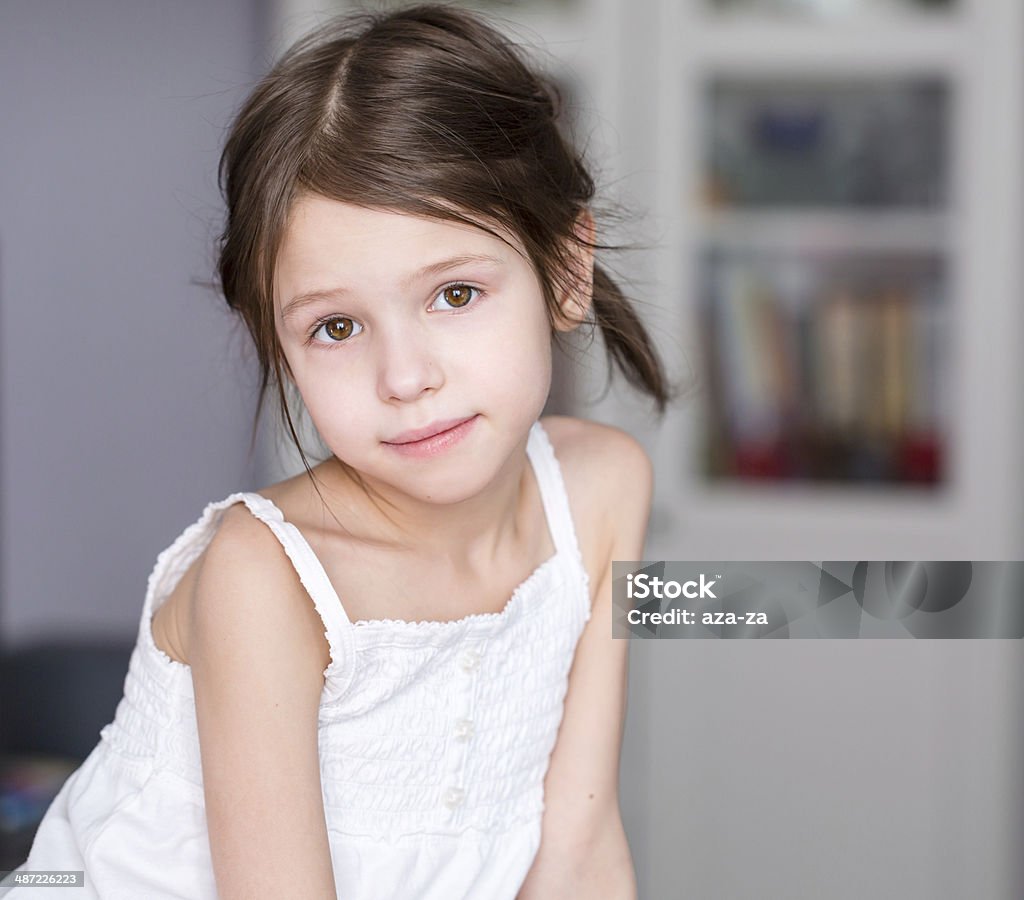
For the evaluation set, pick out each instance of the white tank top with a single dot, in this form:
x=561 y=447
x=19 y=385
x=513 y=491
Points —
x=434 y=737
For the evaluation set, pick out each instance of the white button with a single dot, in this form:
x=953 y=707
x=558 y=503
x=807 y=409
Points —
x=463 y=729
x=453 y=797
x=470 y=660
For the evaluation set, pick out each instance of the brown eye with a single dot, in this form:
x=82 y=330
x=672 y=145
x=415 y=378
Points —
x=337 y=330
x=458 y=295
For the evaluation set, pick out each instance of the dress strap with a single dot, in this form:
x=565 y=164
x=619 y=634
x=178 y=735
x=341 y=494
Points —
x=337 y=627
x=553 y=495
x=172 y=563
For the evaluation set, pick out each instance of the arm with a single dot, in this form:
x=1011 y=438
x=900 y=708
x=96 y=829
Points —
x=584 y=851
x=257 y=648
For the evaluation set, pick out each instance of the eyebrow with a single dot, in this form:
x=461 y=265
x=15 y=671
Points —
x=304 y=299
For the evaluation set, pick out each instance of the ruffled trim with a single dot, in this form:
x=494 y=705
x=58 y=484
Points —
x=525 y=590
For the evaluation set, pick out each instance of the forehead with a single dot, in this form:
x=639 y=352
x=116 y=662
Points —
x=331 y=241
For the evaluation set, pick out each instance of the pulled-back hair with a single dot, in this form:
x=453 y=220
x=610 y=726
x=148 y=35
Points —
x=427 y=111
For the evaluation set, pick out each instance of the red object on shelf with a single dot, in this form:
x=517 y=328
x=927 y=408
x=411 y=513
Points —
x=921 y=457
x=760 y=459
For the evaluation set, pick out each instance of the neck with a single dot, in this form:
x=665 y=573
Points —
x=464 y=535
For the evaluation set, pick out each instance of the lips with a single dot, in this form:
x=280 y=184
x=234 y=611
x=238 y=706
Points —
x=419 y=434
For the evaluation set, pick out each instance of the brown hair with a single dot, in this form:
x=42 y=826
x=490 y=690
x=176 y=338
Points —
x=427 y=111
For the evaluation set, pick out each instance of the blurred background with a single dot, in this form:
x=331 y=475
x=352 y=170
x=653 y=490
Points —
x=828 y=199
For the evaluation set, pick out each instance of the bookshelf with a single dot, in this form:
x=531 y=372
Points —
x=840 y=200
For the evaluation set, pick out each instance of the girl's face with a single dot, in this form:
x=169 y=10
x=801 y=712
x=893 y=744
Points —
x=391 y=323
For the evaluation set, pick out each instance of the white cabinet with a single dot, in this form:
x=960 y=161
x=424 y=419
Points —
x=856 y=768
x=951 y=237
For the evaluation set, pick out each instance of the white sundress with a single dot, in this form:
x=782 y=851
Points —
x=434 y=739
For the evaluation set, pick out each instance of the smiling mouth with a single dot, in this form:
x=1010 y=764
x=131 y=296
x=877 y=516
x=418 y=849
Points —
x=437 y=428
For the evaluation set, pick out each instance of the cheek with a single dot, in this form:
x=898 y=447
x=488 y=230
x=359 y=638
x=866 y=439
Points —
x=513 y=355
x=332 y=395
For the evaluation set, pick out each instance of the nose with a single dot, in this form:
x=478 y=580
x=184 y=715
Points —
x=407 y=364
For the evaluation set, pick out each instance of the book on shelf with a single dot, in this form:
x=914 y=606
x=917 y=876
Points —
x=842 y=384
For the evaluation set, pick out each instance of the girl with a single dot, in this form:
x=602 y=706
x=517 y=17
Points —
x=393 y=675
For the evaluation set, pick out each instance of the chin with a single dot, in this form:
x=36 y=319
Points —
x=449 y=489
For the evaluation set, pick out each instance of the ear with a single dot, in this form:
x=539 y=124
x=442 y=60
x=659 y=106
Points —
x=574 y=303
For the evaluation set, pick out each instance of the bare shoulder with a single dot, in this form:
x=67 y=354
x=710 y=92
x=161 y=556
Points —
x=246 y=589
x=609 y=480
x=609 y=461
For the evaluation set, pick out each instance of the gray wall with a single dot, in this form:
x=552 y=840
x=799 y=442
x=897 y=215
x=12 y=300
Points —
x=834 y=769
x=126 y=393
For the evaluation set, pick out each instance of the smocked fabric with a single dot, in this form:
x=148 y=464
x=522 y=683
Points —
x=434 y=738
